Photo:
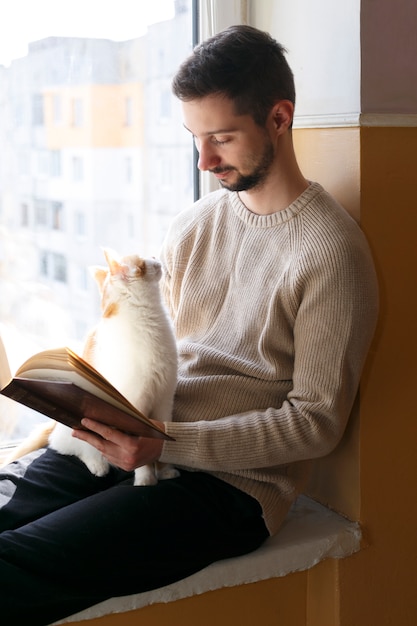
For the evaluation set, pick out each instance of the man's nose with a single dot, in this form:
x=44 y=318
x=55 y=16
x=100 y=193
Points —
x=208 y=157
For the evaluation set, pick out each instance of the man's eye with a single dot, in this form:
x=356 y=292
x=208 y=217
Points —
x=219 y=142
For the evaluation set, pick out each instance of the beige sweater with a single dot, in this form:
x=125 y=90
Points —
x=274 y=315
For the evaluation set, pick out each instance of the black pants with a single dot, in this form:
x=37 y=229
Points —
x=69 y=540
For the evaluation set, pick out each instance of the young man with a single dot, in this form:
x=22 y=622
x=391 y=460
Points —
x=273 y=294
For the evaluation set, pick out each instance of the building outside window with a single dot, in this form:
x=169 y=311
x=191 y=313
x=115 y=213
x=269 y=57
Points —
x=83 y=172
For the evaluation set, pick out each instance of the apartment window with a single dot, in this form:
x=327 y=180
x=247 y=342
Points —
x=37 y=109
x=83 y=183
x=77 y=112
x=55 y=163
x=57 y=109
x=79 y=224
x=165 y=101
x=24 y=215
x=77 y=169
x=57 y=211
x=82 y=279
x=128 y=111
x=44 y=264
x=41 y=213
x=59 y=267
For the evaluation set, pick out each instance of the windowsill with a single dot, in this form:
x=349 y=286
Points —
x=310 y=534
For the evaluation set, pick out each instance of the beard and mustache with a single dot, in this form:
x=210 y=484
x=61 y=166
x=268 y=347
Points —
x=259 y=168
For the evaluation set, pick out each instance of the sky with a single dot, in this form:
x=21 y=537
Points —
x=25 y=21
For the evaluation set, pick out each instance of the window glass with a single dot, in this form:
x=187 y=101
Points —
x=93 y=154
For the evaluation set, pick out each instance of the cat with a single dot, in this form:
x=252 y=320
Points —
x=133 y=346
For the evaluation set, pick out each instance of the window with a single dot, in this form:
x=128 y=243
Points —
x=37 y=110
x=79 y=224
x=77 y=168
x=128 y=111
x=57 y=210
x=59 y=267
x=55 y=163
x=165 y=106
x=24 y=214
x=77 y=112
x=41 y=213
x=57 y=109
x=43 y=264
x=84 y=166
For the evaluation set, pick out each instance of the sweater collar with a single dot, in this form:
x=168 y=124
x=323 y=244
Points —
x=274 y=219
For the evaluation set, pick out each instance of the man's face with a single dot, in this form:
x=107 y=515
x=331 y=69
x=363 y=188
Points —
x=236 y=150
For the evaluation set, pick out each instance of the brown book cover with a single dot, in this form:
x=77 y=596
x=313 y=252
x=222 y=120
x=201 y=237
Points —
x=60 y=384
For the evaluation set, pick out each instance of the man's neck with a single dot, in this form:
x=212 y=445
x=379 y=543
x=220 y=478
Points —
x=283 y=186
x=275 y=195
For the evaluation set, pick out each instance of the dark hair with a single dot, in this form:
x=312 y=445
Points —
x=242 y=63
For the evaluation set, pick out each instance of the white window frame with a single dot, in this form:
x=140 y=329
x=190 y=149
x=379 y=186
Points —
x=214 y=16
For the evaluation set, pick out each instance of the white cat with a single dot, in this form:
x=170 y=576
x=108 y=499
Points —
x=133 y=346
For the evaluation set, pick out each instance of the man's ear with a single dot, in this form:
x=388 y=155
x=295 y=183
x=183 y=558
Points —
x=282 y=114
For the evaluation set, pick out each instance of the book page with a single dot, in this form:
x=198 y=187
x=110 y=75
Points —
x=5 y=374
x=57 y=363
x=104 y=391
x=55 y=358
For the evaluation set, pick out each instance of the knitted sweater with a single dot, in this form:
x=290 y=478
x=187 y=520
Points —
x=274 y=315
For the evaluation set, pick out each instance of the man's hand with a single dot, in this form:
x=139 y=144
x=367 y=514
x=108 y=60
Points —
x=125 y=451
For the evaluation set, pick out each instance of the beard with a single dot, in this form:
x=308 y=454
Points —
x=259 y=171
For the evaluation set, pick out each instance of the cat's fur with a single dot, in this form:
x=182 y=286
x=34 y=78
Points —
x=133 y=346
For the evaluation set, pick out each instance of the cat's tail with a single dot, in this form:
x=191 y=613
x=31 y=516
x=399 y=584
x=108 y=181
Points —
x=37 y=439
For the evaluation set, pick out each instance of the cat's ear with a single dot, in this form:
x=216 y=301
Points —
x=99 y=274
x=116 y=266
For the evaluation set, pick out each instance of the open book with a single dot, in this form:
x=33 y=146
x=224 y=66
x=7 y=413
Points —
x=60 y=384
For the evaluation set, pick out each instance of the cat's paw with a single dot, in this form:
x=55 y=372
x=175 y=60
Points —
x=97 y=466
x=145 y=476
x=165 y=472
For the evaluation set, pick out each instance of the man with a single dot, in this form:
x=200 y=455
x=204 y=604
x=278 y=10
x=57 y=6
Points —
x=273 y=294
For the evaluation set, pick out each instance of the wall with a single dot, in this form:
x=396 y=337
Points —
x=380 y=582
x=388 y=46
x=322 y=40
x=363 y=150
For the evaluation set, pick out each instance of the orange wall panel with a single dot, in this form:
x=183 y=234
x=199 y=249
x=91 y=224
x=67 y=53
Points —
x=267 y=603
x=378 y=585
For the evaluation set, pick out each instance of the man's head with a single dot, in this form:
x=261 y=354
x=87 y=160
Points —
x=242 y=63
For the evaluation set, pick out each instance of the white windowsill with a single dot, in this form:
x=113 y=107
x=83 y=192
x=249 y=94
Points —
x=310 y=534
